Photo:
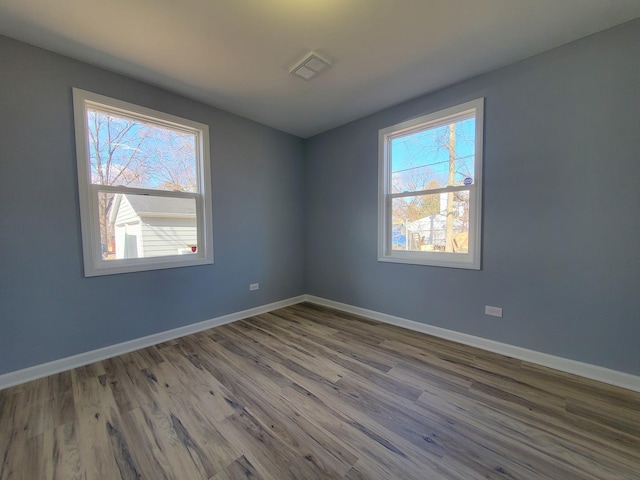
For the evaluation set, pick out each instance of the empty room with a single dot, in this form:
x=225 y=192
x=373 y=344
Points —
x=320 y=239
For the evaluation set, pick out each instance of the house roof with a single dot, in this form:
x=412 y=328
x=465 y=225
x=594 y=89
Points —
x=236 y=55
x=145 y=205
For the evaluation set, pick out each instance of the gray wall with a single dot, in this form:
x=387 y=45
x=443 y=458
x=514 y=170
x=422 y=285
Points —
x=48 y=310
x=561 y=213
x=561 y=238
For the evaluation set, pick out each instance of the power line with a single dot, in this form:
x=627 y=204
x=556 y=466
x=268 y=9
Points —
x=431 y=164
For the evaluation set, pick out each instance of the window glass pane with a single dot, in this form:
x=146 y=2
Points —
x=129 y=152
x=141 y=226
x=433 y=157
x=431 y=223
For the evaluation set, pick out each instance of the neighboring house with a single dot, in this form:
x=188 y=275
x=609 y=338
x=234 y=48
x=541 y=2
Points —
x=429 y=233
x=147 y=226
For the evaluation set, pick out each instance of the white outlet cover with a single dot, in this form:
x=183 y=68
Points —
x=493 y=311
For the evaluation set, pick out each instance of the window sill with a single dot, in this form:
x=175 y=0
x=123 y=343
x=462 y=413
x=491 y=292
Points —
x=113 y=267
x=447 y=260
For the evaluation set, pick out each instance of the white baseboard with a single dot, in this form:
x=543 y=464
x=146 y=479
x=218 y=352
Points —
x=38 y=371
x=593 y=372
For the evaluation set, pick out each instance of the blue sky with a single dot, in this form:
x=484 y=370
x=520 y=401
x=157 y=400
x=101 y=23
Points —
x=159 y=153
x=419 y=157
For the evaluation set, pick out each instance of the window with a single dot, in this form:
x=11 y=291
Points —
x=145 y=187
x=430 y=193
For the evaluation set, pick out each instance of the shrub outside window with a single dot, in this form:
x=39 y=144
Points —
x=430 y=192
x=144 y=185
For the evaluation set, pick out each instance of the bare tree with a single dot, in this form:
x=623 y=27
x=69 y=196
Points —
x=174 y=168
x=428 y=170
x=130 y=153
x=451 y=147
x=414 y=208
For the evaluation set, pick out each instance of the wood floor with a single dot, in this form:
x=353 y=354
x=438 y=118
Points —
x=311 y=393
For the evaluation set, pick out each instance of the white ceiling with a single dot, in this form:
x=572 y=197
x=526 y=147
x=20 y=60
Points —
x=235 y=54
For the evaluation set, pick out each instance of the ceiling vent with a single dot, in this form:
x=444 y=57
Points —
x=311 y=65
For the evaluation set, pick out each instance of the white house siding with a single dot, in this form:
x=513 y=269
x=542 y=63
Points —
x=126 y=214
x=128 y=238
x=165 y=235
x=432 y=230
x=128 y=241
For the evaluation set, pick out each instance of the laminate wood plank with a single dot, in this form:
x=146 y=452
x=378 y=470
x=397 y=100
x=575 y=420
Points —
x=53 y=398
x=194 y=422
x=361 y=325
x=570 y=385
x=351 y=403
x=14 y=439
x=164 y=449
x=362 y=369
x=616 y=418
x=7 y=414
x=271 y=457
x=200 y=386
x=38 y=395
x=283 y=420
x=148 y=456
x=379 y=449
x=314 y=343
x=61 y=452
x=29 y=456
x=307 y=392
x=293 y=369
x=575 y=428
x=142 y=359
x=518 y=440
x=337 y=353
x=124 y=388
x=267 y=407
x=96 y=415
x=240 y=469
x=242 y=333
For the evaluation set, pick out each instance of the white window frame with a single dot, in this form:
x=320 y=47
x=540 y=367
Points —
x=470 y=260
x=94 y=264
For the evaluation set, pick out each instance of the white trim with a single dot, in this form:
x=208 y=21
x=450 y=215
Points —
x=470 y=260
x=94 y=264
x=43 y=370
x=593 y=372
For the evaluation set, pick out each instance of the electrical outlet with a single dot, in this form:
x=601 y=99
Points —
x=493 y=311
x=254 y=286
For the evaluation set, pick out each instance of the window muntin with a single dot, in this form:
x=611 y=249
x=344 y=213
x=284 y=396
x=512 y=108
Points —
x=144 y=187
x=430 y=188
